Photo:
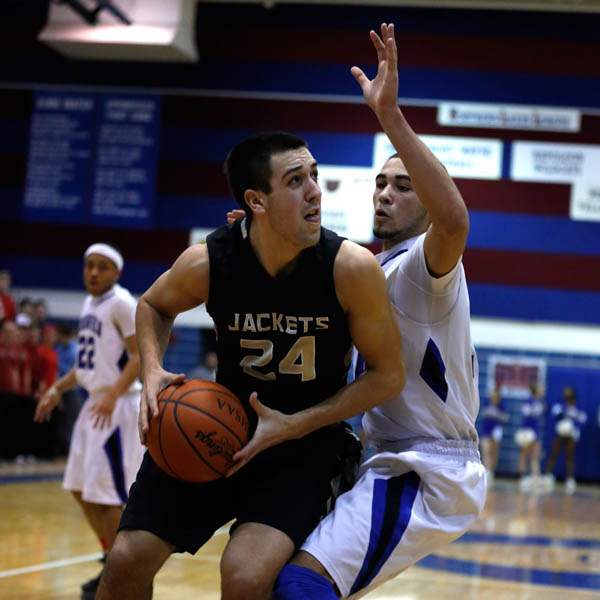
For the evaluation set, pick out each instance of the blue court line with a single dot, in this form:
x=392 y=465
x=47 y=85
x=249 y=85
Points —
x=23 y=478
x=527 y=540
x=570 y=579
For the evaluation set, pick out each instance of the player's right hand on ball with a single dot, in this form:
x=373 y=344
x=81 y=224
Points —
x=154 y=382
x=46 y=405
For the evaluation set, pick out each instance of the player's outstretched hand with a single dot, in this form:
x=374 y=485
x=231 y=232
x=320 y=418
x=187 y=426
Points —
x=273 y=428
x=154 y=381
x=381 y=93
x=234 y=215
x=102 y=409
x=46 y=405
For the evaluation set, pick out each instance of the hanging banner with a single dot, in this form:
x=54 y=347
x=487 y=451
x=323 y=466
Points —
x=59 y=162
x=126 y=155
x=92 y=159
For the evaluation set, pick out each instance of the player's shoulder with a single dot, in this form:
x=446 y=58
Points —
x=354 y=258
x=122 y=297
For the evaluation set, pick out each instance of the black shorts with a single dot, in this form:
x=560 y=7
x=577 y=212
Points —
x=286 y=487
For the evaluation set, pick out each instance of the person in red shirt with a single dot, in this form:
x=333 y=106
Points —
x=47 y=360
x=8 y=309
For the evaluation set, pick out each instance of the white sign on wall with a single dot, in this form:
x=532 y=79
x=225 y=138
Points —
x=507 y=116
x=347 y=201
x=471 y=158
x=585 y=200
x=553 y=162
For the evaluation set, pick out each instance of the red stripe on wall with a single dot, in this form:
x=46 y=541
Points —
x=516 y=196
x=532 y=269
x=191 y=178
x=255 y=114
x=527 y=55
x=67 y=241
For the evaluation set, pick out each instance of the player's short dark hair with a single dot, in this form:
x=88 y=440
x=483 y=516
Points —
x=248 y=164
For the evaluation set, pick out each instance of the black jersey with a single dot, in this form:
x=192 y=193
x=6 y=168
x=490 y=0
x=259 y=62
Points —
x=286 y=337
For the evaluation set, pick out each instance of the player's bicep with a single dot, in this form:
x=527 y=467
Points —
x=443 y=249
x=184 y=286
x=362 y=290
x=373 y=328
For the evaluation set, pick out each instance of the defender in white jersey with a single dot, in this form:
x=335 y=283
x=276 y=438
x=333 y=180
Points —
x=105 y=451
x=425 y=485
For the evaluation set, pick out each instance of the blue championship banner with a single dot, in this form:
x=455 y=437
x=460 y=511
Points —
x=92 y=159
x=61 y=149
x=125 y=165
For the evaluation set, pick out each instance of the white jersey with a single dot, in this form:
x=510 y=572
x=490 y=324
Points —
x=440 y=399
x=104 y=324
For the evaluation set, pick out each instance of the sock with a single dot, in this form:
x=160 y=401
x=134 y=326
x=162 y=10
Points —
x=299 y=583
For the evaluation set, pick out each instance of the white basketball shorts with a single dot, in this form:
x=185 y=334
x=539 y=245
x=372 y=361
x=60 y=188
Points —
x=103 y=463
x=406 y=504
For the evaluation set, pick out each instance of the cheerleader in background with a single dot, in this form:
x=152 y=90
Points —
x=492 y=423
x=527 y=437
x=568 y=420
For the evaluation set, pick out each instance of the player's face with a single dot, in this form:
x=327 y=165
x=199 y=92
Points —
x=399 y=214
x=293 y=208
x=99 y=274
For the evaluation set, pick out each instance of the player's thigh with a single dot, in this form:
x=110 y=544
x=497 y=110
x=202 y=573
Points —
x=183 y=514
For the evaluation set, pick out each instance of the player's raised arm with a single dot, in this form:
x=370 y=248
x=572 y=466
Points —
x=181 y=288
x=446 y=238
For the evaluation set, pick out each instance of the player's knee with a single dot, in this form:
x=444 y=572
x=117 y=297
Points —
x=125 y=563
x=244 y=584
x=299 y=583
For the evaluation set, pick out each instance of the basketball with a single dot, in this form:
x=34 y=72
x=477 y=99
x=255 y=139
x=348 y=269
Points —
x=199 y=427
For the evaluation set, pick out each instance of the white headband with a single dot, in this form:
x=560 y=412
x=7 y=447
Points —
x=106 y=251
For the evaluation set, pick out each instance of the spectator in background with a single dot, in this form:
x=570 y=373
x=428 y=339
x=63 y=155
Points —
x=25 y=307
x=40 y=312
x=15 y=385
x=527 y=437
x=68 y=409
x=208 y=370
x=491 y=432
x=8 y=309
x=47 y=360
x=568 y=420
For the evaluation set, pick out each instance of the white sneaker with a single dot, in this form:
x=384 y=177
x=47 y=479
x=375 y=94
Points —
x=525 y=483
x=570 y=486
x=548 y=481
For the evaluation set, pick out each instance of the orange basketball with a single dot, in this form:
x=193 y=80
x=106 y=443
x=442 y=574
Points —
x=200 y=426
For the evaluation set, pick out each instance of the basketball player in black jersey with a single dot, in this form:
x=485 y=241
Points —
x=287 y=298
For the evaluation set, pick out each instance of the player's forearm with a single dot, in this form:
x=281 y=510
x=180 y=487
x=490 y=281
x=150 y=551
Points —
x=67 y=382
x=369 y=390
x=152 y=334
x=434 y=186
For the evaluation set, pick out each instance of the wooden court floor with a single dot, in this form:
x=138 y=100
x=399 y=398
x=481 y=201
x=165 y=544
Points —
x=525 y=546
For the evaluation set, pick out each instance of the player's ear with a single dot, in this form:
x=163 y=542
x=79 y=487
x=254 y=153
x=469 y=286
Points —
x=255 y=200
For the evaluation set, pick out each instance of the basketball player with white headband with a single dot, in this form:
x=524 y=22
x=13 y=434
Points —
x=105 y=451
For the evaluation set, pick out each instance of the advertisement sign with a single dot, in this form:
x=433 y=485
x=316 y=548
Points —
x=500 y=116
x=469 y=158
